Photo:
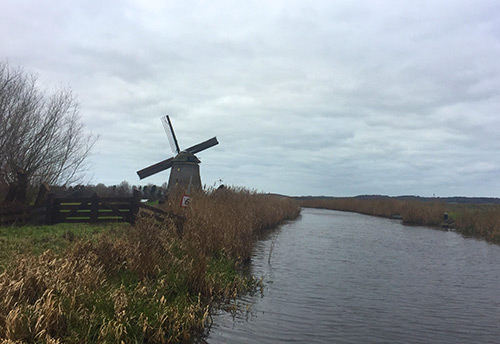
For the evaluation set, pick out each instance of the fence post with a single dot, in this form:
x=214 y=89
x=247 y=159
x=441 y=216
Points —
x=48 y=209
x=134 y=205
x=94 y=208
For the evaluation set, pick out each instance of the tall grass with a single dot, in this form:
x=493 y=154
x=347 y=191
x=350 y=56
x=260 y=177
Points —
x=144 y=284
x=481 y=221
x=227 y=220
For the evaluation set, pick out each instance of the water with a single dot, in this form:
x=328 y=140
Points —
x=337 y=277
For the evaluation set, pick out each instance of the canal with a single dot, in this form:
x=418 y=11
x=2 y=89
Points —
x=338 y=277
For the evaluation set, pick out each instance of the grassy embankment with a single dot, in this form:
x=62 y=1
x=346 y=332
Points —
x=481 y=221
x=129 y=284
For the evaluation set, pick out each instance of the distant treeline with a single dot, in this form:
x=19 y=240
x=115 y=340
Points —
x=150 y=191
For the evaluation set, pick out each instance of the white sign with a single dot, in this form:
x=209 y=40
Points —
x=185 y=201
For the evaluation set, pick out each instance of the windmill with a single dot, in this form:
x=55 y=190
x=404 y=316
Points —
x=185 y=169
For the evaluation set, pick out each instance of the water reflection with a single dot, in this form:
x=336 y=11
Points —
x=349 y=278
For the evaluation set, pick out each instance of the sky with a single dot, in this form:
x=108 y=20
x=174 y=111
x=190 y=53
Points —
x=335 y=98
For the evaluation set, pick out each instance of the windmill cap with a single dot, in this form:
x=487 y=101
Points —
x=186 y=157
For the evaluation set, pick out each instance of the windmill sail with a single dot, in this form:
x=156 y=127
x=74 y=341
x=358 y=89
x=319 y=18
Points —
x=158 y=167
x=169 y=129
x=202 y=146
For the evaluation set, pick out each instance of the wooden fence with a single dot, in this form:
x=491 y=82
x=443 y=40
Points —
x=93 y=209
x=14 y=213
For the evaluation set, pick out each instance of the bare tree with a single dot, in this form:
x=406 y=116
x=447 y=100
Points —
x=41 y=136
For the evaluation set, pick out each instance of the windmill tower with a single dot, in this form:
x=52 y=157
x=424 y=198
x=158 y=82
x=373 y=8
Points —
x=185 y=168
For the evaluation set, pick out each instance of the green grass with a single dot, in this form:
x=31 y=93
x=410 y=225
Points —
x=37 y=239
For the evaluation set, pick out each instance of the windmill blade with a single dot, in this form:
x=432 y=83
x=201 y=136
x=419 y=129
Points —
x=169 y=129
x=158 y=167
x=202 y=146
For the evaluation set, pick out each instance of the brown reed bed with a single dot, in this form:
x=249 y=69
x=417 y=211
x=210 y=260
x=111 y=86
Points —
x=143 y=283
x=481 y=221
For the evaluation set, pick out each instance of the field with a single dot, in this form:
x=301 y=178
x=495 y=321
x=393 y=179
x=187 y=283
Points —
x=15 y=241
x=154 y=282
x=476 y=220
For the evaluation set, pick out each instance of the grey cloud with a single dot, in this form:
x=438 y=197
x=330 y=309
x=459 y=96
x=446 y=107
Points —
x=305 y=98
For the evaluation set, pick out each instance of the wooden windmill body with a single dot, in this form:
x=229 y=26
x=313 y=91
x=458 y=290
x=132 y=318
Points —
x=185 y=170
x=185 y=166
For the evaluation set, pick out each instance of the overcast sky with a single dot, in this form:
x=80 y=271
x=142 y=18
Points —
x=334 y=98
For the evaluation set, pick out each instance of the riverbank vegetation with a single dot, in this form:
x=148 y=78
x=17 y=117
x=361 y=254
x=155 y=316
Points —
x=477 y=220
x=153 y=282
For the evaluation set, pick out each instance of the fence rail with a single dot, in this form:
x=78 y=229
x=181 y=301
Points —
x=14 y=213
x=92 y=210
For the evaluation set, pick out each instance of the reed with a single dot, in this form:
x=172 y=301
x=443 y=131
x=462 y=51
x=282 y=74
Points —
x=227 y=220
x=480 y=221
x=422 y=213
x=139 y=284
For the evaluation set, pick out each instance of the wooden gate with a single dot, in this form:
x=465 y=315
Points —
x=92 y=210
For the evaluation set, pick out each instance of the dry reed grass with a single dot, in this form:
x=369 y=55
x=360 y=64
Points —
x=228 y=220
x=478 y=221
x=144 y=284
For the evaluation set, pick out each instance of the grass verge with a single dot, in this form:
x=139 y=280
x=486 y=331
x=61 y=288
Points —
x=27 y=239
